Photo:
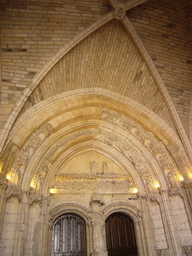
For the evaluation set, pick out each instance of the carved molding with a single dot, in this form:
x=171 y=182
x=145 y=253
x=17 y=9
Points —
x=27 y=151
x=147 y=138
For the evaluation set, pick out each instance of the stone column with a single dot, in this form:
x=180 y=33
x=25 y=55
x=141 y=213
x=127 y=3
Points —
x=45 y=243
x=2 y=195
x=185 y=192
x=145 y=229
x=164 y=207
x=98 y=223
x=188 y=190
x=10 y=230
x=22 y=233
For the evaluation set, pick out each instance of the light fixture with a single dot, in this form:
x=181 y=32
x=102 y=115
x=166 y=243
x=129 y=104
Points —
x=8 y=176
x=31 y=186
x=157 y=185
x=181 y=178
x=52 y=191
x=1 y=166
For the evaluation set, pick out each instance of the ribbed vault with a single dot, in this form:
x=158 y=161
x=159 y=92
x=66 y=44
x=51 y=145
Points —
x=108 y=59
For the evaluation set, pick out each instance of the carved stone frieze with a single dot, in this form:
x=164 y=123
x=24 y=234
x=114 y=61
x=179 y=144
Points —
x=90 y=176
x=99 y=183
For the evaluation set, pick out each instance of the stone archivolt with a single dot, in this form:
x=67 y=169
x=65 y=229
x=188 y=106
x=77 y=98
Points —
x=134 y=143
x=147 y=173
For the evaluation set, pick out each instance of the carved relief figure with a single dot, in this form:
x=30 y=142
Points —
x=104 y=168
x=147 y=182
x=93 y=167
x=98 y=223
x=170 y=177
x=20 y=172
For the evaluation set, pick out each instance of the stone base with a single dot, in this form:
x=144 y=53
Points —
x=102 y=253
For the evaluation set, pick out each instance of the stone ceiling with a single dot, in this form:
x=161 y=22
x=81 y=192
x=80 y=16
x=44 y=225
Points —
x=122 y=79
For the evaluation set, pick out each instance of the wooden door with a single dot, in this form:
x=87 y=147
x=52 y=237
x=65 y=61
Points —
x=69 y=236
x=120 y=235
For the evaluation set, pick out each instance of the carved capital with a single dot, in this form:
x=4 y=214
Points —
x=34 y=197
x=154 y=197
x=14 y=191
x=176 y=192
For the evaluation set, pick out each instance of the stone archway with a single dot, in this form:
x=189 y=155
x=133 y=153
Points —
x=91 y=147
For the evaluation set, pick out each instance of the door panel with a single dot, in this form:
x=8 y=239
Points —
x=69 y=236
x=120 y=235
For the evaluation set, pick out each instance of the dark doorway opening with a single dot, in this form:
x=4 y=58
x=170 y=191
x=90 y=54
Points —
x=69 y=236
x=120 y=235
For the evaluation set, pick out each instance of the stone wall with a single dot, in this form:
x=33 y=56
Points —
x=165 y=29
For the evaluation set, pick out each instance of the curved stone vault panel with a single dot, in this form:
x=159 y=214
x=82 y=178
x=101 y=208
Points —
x=108 y=59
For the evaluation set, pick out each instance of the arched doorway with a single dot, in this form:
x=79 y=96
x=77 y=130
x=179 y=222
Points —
x=120 y=235
x=69 y=236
